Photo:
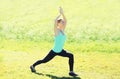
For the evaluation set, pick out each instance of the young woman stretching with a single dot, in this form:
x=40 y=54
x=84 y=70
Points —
x=60 y=38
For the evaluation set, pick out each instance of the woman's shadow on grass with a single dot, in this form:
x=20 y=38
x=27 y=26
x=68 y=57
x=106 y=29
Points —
x=56 y=77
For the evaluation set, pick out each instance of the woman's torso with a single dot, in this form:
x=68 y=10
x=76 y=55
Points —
x=59 y=41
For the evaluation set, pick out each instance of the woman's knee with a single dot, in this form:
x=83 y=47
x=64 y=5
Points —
x=71 y=56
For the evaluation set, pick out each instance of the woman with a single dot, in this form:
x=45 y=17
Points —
x=60 y=38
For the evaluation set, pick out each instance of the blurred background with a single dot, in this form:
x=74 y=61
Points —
x=88 y=20
x=93 y=36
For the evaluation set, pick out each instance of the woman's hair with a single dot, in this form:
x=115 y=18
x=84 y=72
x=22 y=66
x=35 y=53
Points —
x=59 y=20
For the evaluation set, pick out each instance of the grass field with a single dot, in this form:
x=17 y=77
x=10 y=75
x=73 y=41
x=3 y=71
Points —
x=88 y=64
x=93 y=36
x=89 y=20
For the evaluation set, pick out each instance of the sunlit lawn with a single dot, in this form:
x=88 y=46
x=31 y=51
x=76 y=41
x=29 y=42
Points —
x=88 y=64
x=93 y=36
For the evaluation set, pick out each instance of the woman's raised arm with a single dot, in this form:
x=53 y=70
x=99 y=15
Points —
x=55 y=24
x=64 y=18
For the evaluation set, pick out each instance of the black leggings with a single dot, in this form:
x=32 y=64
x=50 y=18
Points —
x=52 y=54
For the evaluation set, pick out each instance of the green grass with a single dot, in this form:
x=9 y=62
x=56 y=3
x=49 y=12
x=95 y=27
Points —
x=93 y=36
x=25 y=45
x=88 y=64
x=92 y=60
x=87 y=19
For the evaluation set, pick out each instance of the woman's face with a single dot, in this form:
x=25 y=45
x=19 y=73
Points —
x=61 y=24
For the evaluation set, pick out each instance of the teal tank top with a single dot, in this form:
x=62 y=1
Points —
x=59 y=42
